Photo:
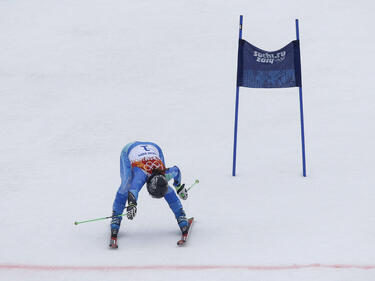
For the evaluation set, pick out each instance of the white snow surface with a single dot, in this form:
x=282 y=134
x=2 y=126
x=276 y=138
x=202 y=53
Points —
x=80 y=79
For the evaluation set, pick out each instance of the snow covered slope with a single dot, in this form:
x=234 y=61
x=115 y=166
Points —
x=80 y=79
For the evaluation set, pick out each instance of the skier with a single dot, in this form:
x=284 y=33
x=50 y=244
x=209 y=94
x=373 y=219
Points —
x=140 y=163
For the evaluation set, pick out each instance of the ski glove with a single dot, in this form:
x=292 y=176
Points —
x=132 y=206
x=182 y=191
x=131 y=211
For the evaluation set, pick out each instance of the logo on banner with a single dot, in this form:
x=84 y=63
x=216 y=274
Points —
x=269 y=58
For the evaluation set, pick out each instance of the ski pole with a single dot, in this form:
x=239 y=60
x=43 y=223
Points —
x=104 y=218
x=196 y=182
x=98 y=219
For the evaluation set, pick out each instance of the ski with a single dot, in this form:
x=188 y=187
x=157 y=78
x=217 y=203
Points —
x=113 y=243
x=184 y=237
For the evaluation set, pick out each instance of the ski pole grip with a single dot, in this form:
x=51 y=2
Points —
x=195 y=182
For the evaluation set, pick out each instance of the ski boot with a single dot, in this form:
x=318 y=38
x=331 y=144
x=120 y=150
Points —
x=115 y=226
x=183 y=222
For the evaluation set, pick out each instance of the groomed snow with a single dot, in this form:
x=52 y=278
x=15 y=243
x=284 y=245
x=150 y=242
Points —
x=80 y=79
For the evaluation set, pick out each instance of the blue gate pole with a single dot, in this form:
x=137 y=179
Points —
x=236 y=114
x=301 y=115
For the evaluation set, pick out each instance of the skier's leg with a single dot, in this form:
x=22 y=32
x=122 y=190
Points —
x=176 y=207
x=118 y=208
x=122 y=193
x=139 y=178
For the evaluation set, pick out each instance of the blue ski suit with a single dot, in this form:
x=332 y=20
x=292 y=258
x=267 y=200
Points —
x=137 y=161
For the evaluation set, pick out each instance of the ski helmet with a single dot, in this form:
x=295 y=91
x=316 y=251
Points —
x=157 y=185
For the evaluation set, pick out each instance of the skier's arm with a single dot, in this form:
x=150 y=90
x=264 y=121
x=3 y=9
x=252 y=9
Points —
x=138 y=180
x=175 y=174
